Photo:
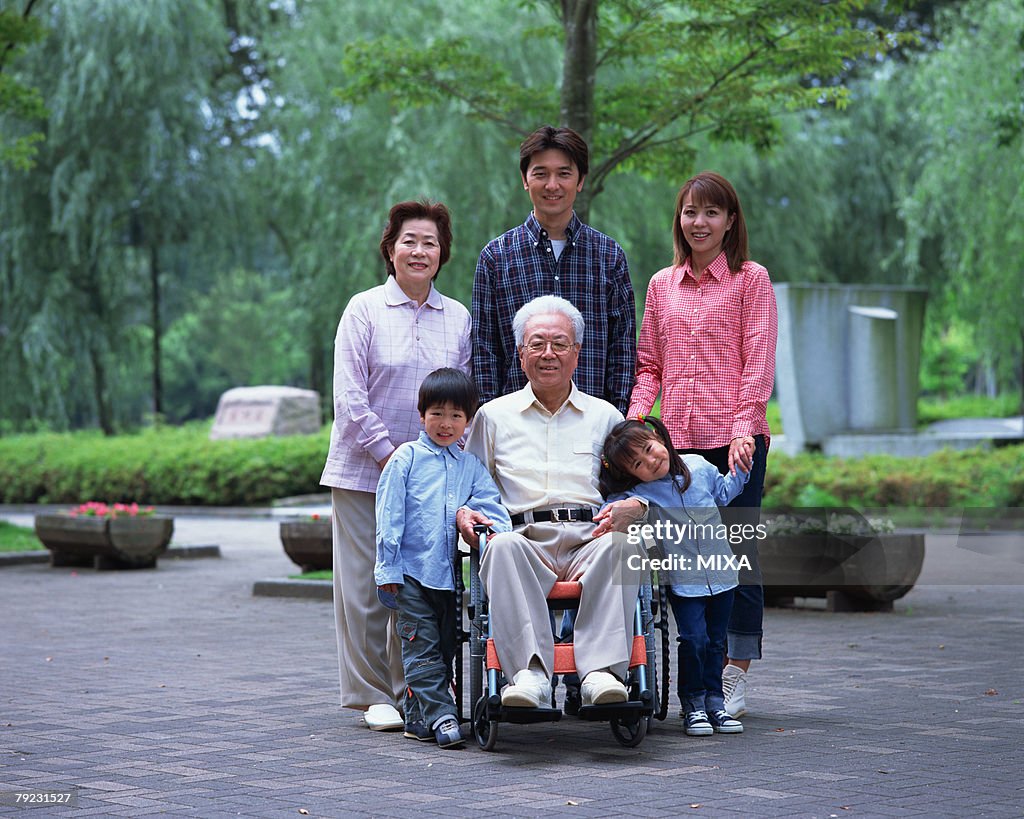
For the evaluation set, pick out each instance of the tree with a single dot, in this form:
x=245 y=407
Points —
x=640 y=78
x=128 y=137
x=18 y=100
x=969 y=192
x=330 y=171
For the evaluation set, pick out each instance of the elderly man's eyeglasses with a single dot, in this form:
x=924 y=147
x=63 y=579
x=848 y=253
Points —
x=536 y=347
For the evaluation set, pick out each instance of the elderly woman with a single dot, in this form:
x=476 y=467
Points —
x=389 y=339
x=707 y=344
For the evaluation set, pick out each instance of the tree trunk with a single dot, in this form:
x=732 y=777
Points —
x=154 y=280
x=579 y=72
x=99 y=382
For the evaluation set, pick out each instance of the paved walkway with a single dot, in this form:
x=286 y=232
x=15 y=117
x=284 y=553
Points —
x=176 y=691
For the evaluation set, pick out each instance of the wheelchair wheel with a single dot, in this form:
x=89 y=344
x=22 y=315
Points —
x=629 y=733
x=485 y=730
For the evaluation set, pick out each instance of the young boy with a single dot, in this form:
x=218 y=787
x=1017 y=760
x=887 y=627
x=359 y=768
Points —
x=422 y=486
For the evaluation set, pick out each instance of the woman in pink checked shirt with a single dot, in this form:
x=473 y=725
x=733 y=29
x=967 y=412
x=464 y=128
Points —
x=389 y=339
x=707 y=345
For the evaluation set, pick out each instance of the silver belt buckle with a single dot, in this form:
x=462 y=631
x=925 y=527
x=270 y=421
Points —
x=562 y=515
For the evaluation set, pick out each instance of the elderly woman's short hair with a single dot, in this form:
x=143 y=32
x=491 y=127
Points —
x=542 y=306
x=401 y=213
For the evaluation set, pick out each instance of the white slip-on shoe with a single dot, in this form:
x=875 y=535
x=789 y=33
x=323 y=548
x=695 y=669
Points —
x=383 y=717
x=734 y=686
x=602 y=688
x=529 y=689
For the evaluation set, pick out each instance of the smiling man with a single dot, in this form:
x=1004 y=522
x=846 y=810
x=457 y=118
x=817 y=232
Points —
x=554 y=253
x=541 y=445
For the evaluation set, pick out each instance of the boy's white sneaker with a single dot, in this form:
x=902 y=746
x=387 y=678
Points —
x=734 y=686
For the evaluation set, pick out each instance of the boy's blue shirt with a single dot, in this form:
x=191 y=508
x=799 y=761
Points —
x=708 y=490
x=420 y=490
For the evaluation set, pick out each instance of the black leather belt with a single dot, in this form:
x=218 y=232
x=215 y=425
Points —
x=581 y=514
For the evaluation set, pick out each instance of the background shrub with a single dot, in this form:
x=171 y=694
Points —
x=180 y=466
x=167 y=466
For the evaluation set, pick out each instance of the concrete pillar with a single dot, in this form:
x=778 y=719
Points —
x=873 y=356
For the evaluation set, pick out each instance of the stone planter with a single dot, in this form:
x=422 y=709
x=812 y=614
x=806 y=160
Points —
x=852 y=572
x=105 y=543
x=308 y=543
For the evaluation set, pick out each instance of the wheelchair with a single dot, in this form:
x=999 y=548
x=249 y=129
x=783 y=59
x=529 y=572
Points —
x=629 y=721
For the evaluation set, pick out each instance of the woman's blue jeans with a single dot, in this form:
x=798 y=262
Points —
x=745 y=624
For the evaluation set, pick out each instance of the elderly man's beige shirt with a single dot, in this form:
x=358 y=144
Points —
x=541 y=459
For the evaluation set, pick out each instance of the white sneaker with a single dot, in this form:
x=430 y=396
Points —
x=734 y=686
x=383 y=717
x=529 y=689
x=601 y=688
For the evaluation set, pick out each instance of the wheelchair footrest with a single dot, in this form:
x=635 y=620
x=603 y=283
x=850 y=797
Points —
x=616 y=710
x=520 y=716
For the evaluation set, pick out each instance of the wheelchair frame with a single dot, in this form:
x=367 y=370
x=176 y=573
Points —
x=629 y=721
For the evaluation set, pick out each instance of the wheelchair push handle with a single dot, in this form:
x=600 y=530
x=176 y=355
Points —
x=481 y=530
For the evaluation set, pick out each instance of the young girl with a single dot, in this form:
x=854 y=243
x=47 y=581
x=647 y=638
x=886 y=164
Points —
x=684 y=493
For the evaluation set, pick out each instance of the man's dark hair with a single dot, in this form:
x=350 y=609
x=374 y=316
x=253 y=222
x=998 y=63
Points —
x=449 y=386
x=424 y=209
x=564 y=139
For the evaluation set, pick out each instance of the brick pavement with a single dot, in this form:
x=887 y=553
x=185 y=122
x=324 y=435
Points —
x=176 y=691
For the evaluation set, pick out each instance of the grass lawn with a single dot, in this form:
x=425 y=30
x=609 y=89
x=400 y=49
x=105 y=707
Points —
x=18 y=538
x=325 y=574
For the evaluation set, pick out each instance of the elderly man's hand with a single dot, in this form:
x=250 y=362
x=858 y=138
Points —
x=465 y=520
x=618 y=516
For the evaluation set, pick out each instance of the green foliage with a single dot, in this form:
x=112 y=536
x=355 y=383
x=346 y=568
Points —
x=814 y=497
x=930 y=410
x=665 y=72
x=320 y=574
x=247 y=325
x=17 y=538
x=972 y=138
x=989 y=478
x=169 y=466
x=909 y=185
x=159 y=466
x=20 y=102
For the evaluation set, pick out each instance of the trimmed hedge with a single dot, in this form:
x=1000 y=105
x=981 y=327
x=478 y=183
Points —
x=167 y=466
x=957 y=478
x=180 y=466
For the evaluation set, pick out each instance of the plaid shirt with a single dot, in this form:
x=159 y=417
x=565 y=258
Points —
x=591 y=273
x=708 y=347
x=386 y=345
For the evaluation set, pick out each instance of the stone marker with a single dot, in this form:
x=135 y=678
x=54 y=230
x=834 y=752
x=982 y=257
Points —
x=256 y=412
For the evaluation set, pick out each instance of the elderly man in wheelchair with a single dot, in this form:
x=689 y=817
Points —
x=542 y=446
